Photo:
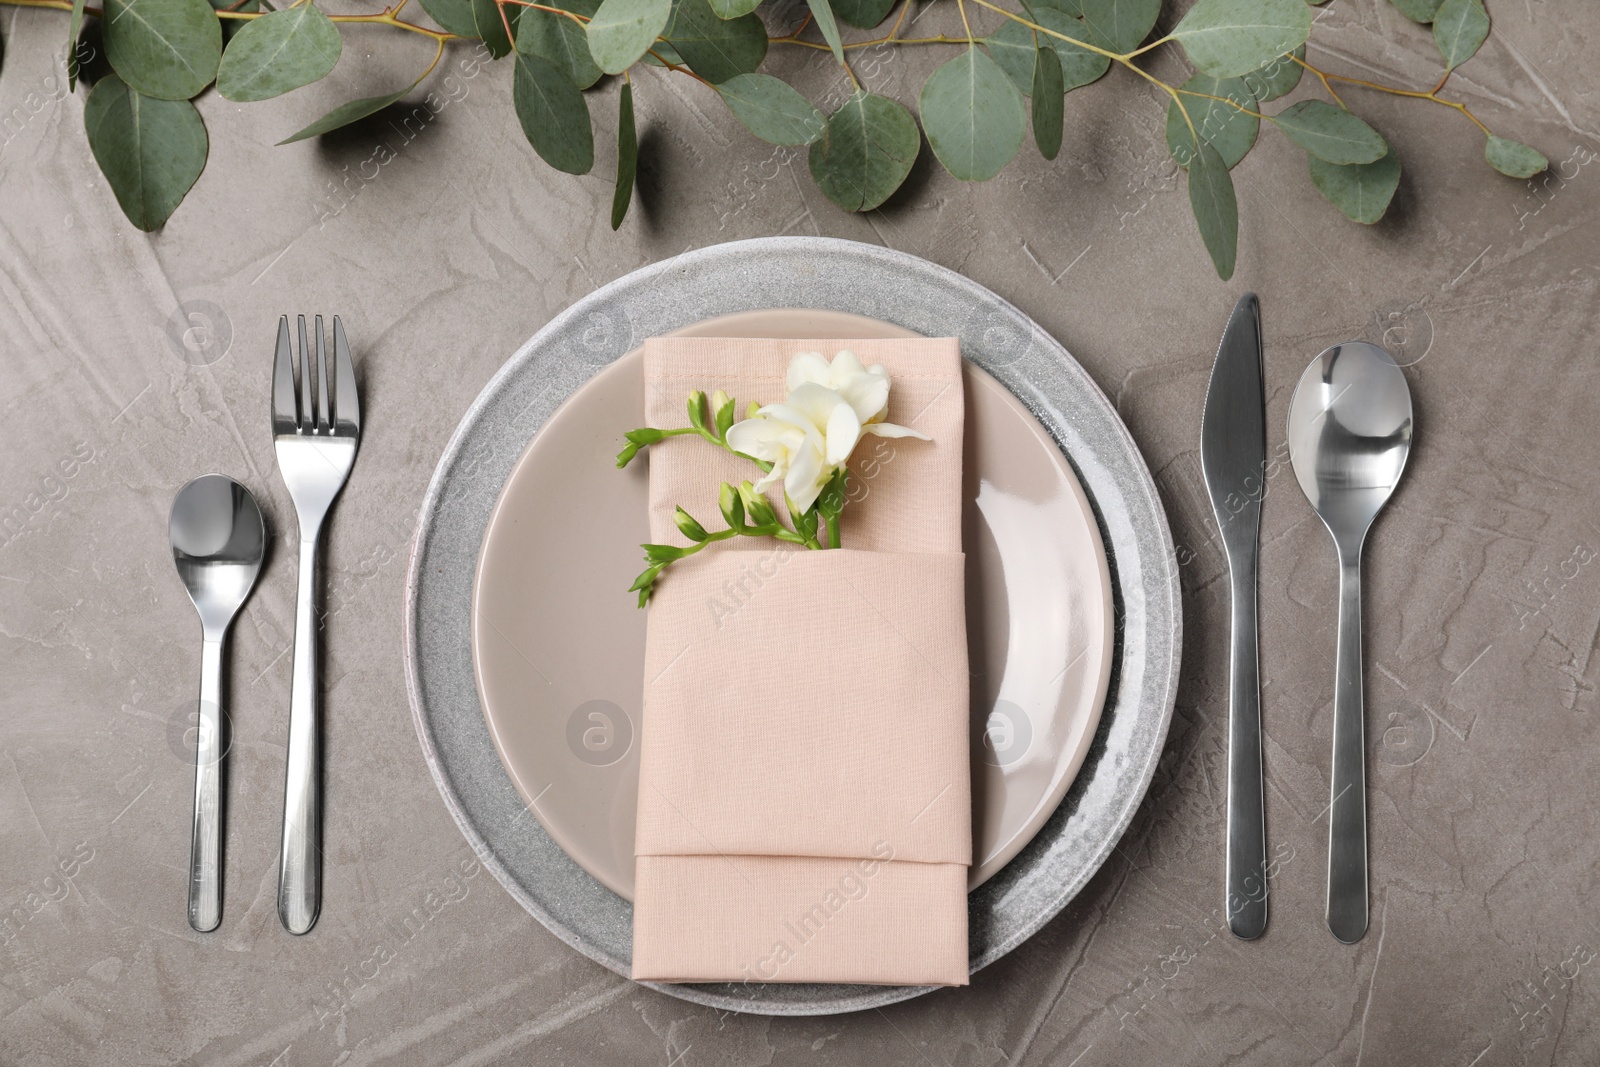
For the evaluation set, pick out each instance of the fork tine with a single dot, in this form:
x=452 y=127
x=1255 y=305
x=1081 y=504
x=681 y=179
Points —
x=285 y=415
x=308 y=414
x=323 y=422
x=346 y=401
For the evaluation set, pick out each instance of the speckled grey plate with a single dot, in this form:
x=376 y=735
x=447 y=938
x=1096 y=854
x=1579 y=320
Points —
x=790 y=272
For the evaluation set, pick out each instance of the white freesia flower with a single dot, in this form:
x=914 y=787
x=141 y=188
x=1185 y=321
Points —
x=809 y=436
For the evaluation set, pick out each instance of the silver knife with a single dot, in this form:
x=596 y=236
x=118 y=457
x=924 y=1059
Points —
x=1233 y=454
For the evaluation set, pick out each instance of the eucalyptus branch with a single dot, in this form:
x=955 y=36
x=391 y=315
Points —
x=974 y=110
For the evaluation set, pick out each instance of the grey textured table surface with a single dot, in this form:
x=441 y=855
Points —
x=1482 y=616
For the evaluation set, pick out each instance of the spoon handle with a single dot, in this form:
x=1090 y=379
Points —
x=205 y=847
x=1347 y=811
x=300 y=863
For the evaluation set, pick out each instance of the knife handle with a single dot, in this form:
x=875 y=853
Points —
x=1246 y=889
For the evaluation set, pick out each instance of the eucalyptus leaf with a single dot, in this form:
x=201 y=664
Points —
x=622 y=31
x=559 y=39
x=866 y=151
x=627 y=157
x=822 y=15
x=1123 y=24
x=1418 y=10
x=455 y=16
x=1513 y=158
x=1231 y=38
x=345 y=114
x=168 y=49
x=1230 y=131
x=864 y=14
x=715 y=48
x=1014 y=47
x=973 y=116
x=554 y=114
x=1216 y=211
x=1277 y=78
x=1459 y=29
x=1047 y=100
x=1331 y=133
x=732 y=9
x=74 y=27
x=491 y=21
x=150 y=150
x=278 y=52
x=772 y=109
x=1361 y=190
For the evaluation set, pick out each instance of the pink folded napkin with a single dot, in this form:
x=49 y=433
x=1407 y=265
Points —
x=804 y=796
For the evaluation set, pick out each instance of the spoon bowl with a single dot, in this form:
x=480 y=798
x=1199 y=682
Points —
x=1350 y=424
x=218 y=543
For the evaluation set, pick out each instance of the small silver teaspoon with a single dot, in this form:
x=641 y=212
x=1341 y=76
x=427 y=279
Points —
x=1349 y=436
x=218 y=541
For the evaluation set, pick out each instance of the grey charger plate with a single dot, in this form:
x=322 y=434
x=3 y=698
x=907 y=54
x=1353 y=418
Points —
x=742 y=276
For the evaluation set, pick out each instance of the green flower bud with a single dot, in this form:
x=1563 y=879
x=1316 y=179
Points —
x=691 y=529
x=732 y=507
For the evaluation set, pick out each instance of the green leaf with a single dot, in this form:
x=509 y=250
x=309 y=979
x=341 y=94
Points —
x=732 y=9
x=772 y=109
x=150 y=150
x=1330 y=133
x=1418 y=10
x=278 y=52
x=973 y=116
x=715 y=48
x=1277 y=78
x=455 y=16
x=622 y=31
x=1230 y=131
x=1124 y=24
x=1231 y=38
x=864 y=14
x=554 y=115
x=168 y=49
x=1047 y=109
x=345 y=114
x=1216 y=211
x=822 y=15
x=1361 y=190
x=1459 y=29
x=559 y=39
x=698 y=417
x=74 y=27
x=491 y=23
x=1513 y=158
x=866 y=151
x=627 y=157
x=1014 y=46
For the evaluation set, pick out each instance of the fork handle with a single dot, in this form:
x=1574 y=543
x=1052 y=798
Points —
x=300 y=863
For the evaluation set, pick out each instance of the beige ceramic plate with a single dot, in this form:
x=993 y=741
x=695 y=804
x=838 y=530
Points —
x=559 y=645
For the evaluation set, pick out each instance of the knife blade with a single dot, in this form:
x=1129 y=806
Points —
x=1233 y=456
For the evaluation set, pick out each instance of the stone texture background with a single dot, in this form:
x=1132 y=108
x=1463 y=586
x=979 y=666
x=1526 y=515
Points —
x=1483 y=583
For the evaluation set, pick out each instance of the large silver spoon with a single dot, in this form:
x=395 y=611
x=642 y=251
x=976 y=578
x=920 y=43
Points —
x=1349 y=436
x=218 y=541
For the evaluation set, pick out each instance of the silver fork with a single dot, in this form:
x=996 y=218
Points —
x=316 y=431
